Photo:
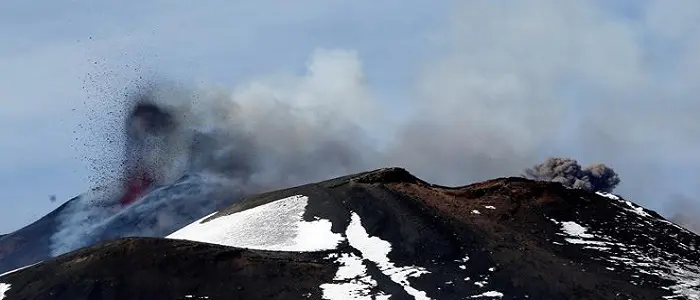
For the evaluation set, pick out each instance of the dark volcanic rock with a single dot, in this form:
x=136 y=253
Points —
x=152 y=268
x=507 y=238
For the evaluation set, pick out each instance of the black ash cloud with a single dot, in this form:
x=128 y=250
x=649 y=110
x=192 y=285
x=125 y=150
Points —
x=567 y=171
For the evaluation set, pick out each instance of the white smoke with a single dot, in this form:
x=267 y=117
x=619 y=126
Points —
x=98 y=215
x=78 y=220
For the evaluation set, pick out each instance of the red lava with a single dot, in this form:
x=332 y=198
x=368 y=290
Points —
x=135 y=187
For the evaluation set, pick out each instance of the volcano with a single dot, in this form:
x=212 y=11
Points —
x=155 y=193
x=100 y=215
x=386 y=234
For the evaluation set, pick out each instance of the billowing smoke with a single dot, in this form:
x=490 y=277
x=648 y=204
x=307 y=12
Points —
x=508 y=85
x=220 y=146
x=567 y=171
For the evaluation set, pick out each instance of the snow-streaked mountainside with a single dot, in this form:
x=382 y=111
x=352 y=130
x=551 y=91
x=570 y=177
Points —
x=388 y=235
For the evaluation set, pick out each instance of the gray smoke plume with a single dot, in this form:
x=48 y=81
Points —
x=222 y=147
x=508 y=85
x=567 y=171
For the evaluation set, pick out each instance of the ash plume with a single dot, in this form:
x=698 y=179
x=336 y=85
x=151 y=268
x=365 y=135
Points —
x=497 y=98
x=221 y=146
x=567 y=171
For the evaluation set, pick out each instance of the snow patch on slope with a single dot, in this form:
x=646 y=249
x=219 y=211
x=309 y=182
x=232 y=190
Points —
x=683 y=273
x=351 y=281
x=574 y=229
x=627 y=205
x=489 y=294
x=277 y=226
x=377 y=251
x=4 y=287
x=608 y=195
x=577 y=234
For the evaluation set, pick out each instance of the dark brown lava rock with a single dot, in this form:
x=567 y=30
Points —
x=507 y=238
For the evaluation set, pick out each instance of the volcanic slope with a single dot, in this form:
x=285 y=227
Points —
x=98 y=216
x=386 y=234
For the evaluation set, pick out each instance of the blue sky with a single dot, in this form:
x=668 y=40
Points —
x=621 y=79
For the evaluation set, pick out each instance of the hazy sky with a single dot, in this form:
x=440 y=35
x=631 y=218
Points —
x=598 y=81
